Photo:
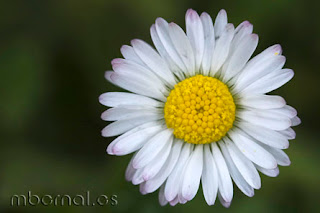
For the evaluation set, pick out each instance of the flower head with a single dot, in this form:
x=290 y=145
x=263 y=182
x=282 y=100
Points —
x=196 y=110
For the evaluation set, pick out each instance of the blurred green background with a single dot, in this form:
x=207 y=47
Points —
x=53 y=58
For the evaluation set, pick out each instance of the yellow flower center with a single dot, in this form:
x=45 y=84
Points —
x=200 y=110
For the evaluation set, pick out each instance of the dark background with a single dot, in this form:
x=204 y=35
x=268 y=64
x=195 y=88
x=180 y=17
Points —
x=52 y=62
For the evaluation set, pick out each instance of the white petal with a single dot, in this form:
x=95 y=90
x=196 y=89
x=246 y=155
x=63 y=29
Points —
x=209 y=42
x=262 y=101
x=221 y=49
x=209 y=178
x=156 y=164
x=142 y=188
x=162 y=199
x=288 y=133
x=192 y=173
x=235 y=174
x=118 y=99
x=174 y=202
x=183 y=47
x=243 y=29
x=266 y=136
x=138 y=84
x=121 y=65
x=280 y=156
x=107 y=76
x=269 y=82
x=287 y=110
x=220 y=23
x=137 y=177
x=164 y=54
x=130 y=171
x=129 y=54
x=268 y=172
x=125 y=113
x=148 y=152
x=153 y=60
x=265 y=118
x=163 y=34
x=157 y=181
x=244 y=165
x=132 y=142
x=225 y=183
x=262 y=64
x=223 y=201
x=133 y=70
x=181 y=199
x=239 y=56
x=295 y=121
x=174 y=180
x=134 y=130
x=252 y=150
x=119 y=127
x=195 y=34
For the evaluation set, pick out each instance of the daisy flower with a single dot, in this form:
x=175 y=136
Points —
x=197 y=110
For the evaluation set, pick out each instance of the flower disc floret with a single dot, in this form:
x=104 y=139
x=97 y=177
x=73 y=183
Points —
x=200 y=110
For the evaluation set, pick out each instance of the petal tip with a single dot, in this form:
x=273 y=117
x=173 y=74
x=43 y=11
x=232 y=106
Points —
x=254 y=36
x=109 y=150
x=146 y=177
x=107 y=75
x=246 y=23
x=204 y=14
x=191 y=15
x=223 y=11
x=101 y=98
x=116 y=61
x=277 y=49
